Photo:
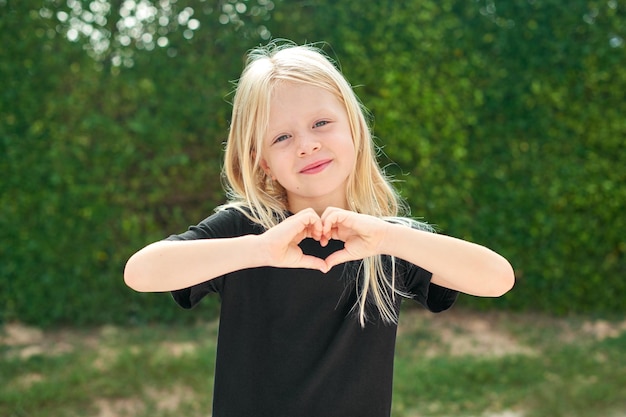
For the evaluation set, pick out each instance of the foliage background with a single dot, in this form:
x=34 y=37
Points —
x=503 y=121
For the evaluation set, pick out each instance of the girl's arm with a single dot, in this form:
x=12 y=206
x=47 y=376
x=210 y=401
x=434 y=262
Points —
x=173 y=265
x=454 y=263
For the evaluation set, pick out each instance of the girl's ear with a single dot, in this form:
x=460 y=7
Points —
x=265 y=167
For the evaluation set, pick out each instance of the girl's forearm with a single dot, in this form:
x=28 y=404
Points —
x=454 y=263
x=173 y=265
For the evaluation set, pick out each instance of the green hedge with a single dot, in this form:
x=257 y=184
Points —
x=504 y=125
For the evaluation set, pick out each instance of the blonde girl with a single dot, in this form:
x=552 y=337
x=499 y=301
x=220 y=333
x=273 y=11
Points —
x=311 y=255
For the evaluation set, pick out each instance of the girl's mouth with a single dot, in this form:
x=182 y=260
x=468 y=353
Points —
x=316 y=167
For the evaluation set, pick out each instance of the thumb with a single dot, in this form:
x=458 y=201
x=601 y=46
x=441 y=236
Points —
x=339 y=257
x=312 y=262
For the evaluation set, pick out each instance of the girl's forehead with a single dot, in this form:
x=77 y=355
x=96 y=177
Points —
x=292 y=102
x=286 y=85
x=301 y=94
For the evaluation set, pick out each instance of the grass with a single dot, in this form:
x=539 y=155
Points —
x=458 y=363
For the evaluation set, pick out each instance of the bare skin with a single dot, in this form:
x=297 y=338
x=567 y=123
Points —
x=455 y=264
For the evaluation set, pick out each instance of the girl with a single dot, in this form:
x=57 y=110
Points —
x=309 y=257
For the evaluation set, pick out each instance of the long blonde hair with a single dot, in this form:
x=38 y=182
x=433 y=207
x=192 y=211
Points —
x=264 y=201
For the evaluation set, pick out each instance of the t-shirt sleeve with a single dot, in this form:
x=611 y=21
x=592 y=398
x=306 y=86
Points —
x=440 y=298
x=224 y=223
x=432 y=296
x=417 y=285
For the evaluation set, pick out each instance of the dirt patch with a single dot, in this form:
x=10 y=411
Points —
x=163 y=400
x=106 y=356
x=463 y=333
x=501 y=414
x=177 y=350
x=119 y=407
x=481 y=341
x=602 y=329
x=25 y=342
x=16 y=334
x=27 y=380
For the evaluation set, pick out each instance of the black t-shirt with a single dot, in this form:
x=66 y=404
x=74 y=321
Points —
x=289 y=342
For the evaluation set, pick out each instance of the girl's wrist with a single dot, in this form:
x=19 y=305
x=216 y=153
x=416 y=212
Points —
x=386 y=242
x=254 y=251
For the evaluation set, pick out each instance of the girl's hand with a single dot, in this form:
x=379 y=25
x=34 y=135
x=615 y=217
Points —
x=454 y=263
x=281 y=241
x=362 y=235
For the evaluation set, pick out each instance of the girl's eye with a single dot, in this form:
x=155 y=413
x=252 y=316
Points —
x=281 y=138
x=321 y=123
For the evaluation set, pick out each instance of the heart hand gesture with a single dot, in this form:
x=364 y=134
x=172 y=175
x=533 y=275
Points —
x=361 y=234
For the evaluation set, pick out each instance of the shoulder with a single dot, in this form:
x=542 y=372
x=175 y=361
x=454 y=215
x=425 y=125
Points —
x=410 y=222
x=232 y=221
x=225 y=222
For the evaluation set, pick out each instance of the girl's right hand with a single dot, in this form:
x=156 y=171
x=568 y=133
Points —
x=281 y=241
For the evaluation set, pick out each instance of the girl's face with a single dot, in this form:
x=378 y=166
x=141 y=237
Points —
x=308 y=147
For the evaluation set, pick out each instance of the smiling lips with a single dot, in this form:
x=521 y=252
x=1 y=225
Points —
x=316 y=167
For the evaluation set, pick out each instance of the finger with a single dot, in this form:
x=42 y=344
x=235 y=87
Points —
x=332 y=225
x=307 y=221
x=327 y=224
x=329 y=218
x=312 y=262
x=328 y=210
x=316 y=228
x=325 y=236
x=307 y=216
x=333 y=233
x=323 y=240
x=339 y=257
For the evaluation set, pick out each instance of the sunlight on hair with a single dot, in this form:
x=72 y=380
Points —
x=369 y=190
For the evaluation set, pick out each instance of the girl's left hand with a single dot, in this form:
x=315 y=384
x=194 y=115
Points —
x=362 y=234
x=454 y=263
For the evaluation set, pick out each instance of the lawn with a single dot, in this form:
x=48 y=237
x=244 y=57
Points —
x=458 y=363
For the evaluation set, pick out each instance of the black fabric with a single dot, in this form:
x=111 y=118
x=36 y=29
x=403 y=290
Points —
x=289 y=342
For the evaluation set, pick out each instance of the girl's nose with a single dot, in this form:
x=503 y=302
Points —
x=307 y=144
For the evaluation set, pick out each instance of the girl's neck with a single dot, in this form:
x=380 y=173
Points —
x=319 y=205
